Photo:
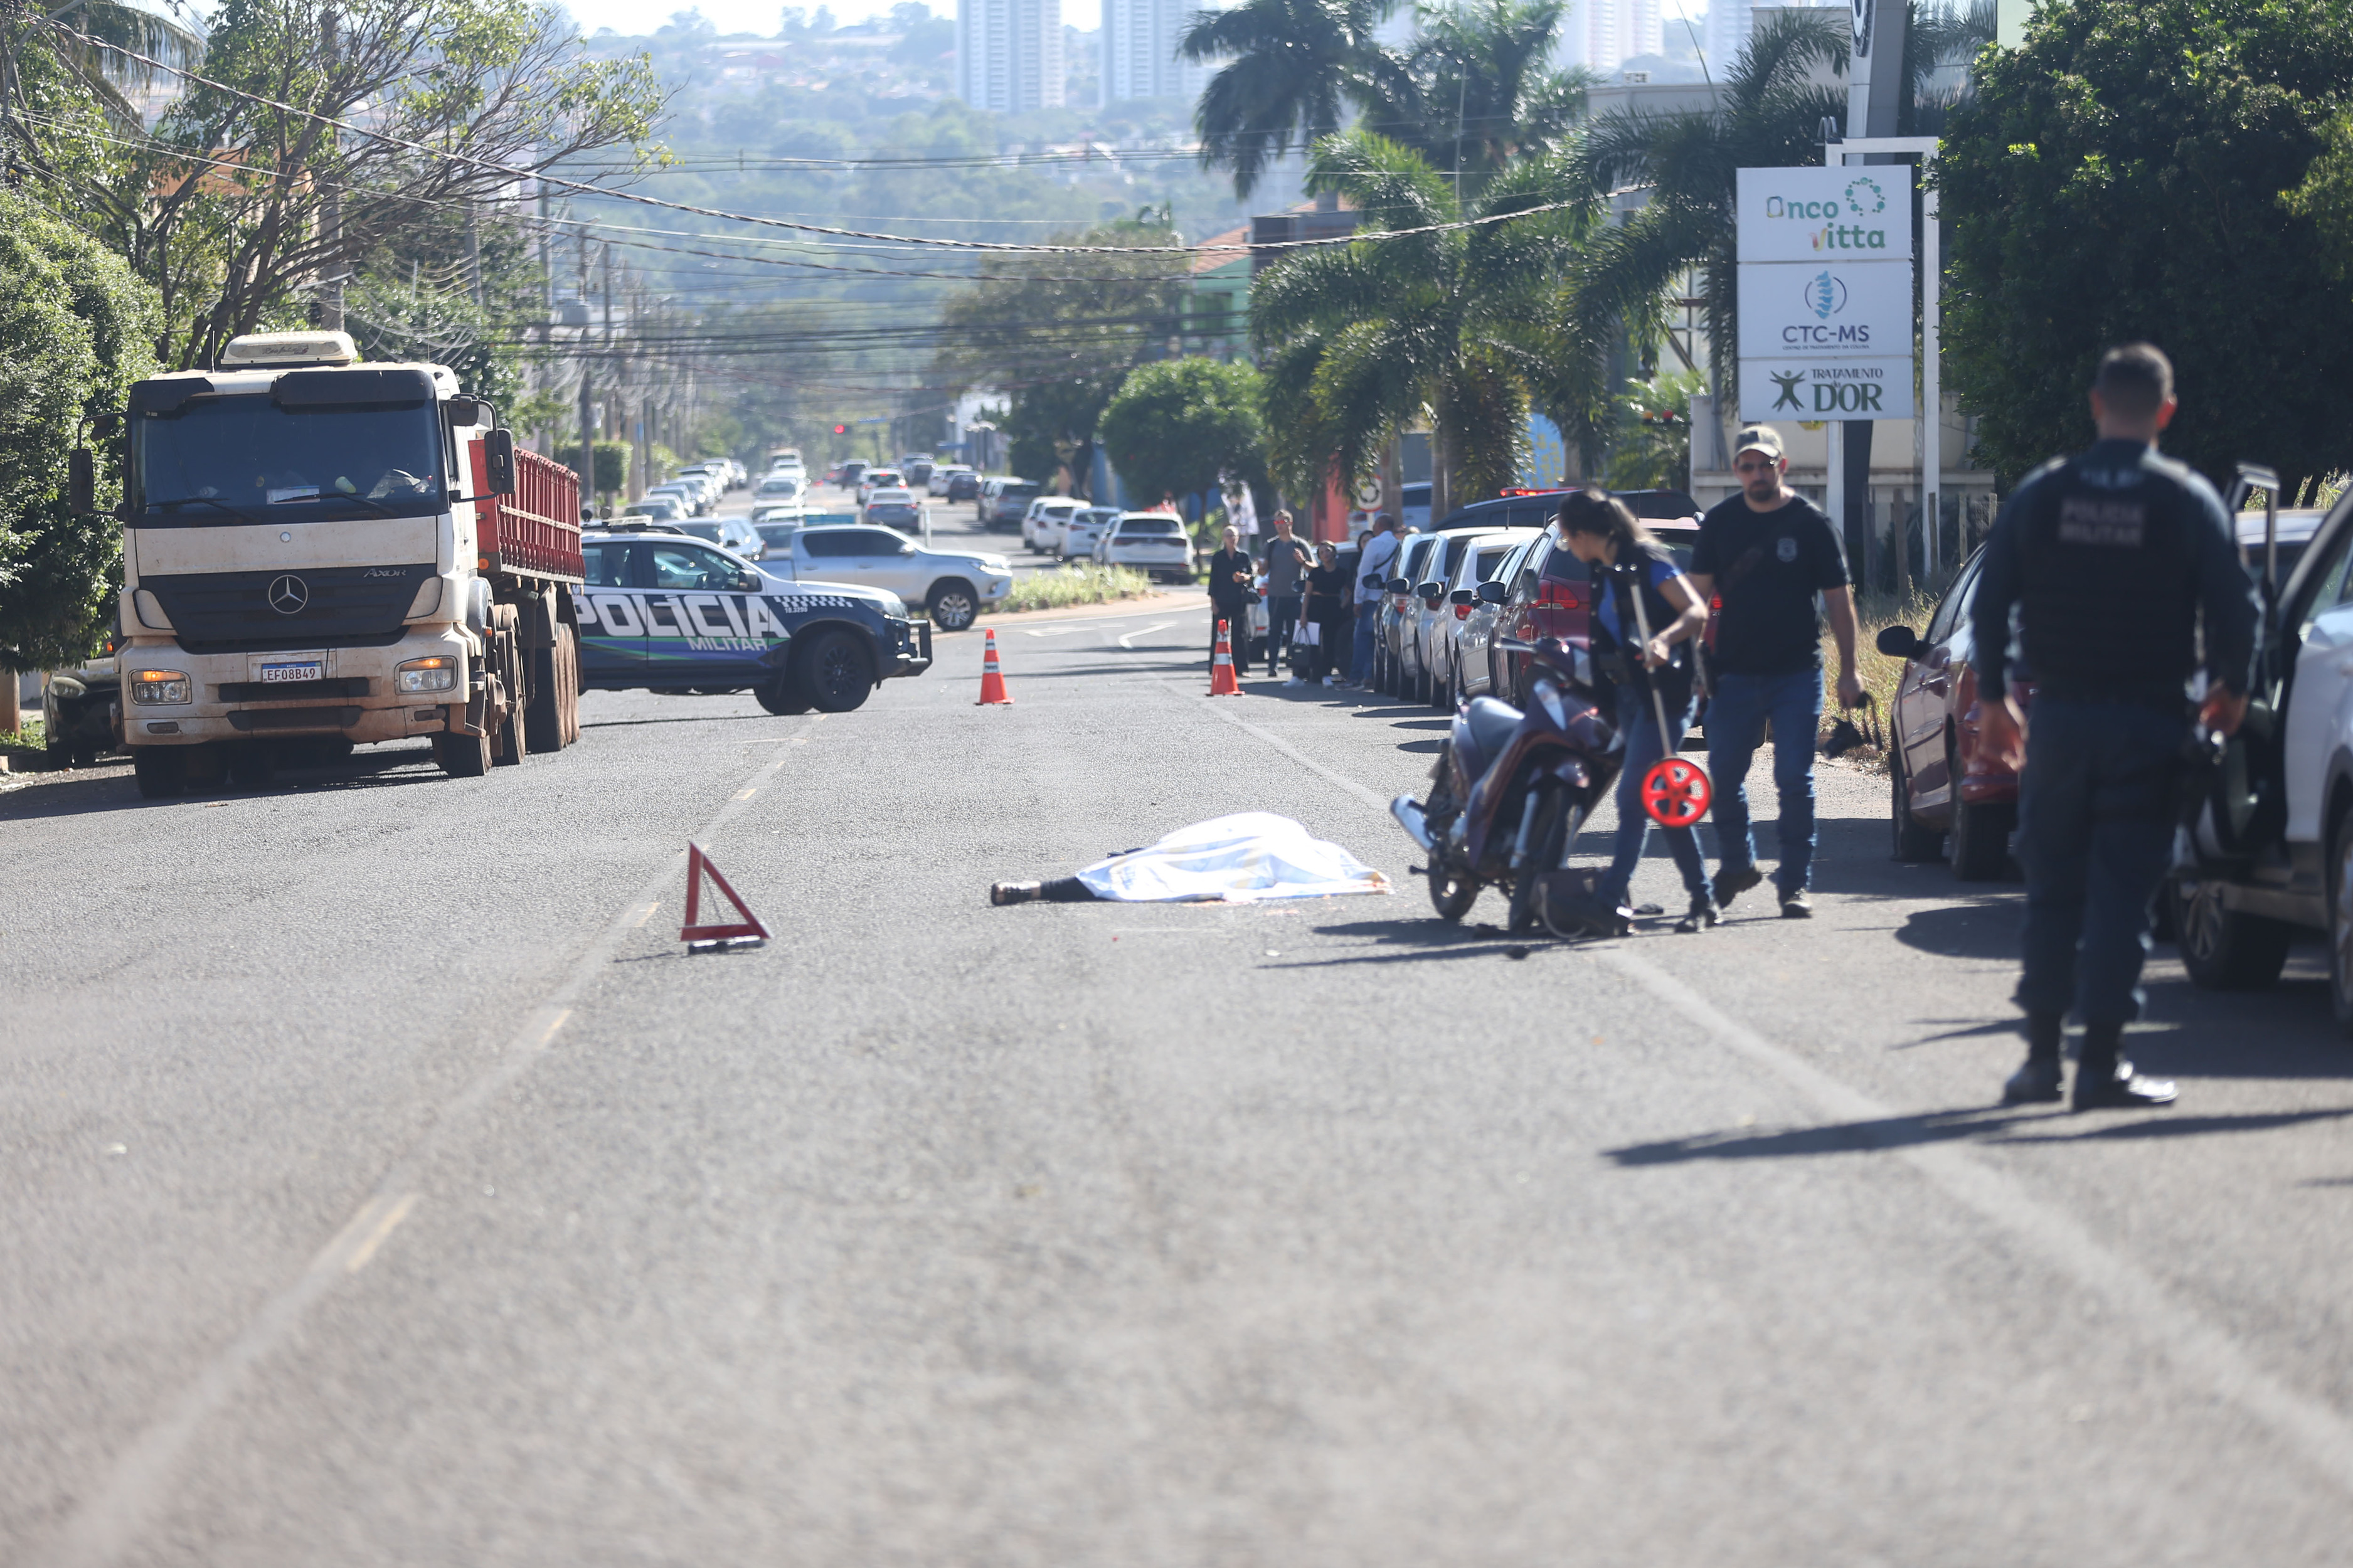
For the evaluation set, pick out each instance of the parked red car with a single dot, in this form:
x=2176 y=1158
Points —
x=1932 y=738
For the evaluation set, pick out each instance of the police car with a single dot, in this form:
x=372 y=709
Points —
x=670 y=613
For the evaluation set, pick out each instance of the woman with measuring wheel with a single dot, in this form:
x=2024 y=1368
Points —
x=1653 y=615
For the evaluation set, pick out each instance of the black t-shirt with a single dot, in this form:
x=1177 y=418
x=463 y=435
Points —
x=1327 y=592
x=1767 y=567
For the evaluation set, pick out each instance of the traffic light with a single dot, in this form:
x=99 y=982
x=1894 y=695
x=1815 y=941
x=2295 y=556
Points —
x=841 y=429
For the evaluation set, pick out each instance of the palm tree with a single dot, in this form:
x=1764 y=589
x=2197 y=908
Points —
x=1360 y=339
x=1297 y=64
x=1475 y=93
x=1768 y=113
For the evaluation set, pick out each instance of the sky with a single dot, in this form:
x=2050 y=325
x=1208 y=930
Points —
x=759 y=16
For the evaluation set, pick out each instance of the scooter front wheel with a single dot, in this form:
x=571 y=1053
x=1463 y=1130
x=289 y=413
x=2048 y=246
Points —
x=1547 y=847
x=1451 y=892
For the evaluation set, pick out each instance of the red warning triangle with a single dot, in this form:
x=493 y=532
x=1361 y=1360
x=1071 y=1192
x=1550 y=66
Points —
x=699 y=866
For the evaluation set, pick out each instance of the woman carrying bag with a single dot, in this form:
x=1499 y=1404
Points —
x=1598 y=529
x=1325 y=623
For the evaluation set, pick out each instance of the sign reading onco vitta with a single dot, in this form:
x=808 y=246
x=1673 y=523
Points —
x=1825 y=293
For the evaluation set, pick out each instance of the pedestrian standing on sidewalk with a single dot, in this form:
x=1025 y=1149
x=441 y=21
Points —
x=1286 y=565
x=1599 y=529
x=1328 y=596
x=1374 y=564
x=1229 y=595
x=1770 y=554
x=2111 y=557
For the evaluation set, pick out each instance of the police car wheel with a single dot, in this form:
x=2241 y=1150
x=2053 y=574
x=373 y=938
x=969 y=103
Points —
x=783 y=695
x=836 y=673
x=954 y=606
x=2225 y=948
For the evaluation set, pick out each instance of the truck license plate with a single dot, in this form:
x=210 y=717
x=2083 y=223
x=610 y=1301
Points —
x=271 y=674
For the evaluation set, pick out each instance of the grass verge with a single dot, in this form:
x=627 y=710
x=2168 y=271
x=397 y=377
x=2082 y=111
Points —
x=1083 y=583
x=1873 y=613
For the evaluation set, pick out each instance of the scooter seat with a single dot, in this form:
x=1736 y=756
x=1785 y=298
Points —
x=1492 y=723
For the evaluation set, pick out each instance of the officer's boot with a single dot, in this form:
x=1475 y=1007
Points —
x=2104 y=1078
x=2037 y=1081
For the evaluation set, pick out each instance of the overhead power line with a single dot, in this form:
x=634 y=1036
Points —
x=608 y=194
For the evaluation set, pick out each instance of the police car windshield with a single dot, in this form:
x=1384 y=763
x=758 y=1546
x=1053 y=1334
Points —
x=265 y=463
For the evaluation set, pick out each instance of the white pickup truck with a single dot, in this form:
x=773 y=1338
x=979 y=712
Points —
x=2271 y=848
x=952 y=586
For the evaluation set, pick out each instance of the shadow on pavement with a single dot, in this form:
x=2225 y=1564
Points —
x=1963 y=931
x=1992 y=1125
x=79 y=794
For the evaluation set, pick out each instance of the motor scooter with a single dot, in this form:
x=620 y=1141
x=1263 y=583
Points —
x=1510 y=789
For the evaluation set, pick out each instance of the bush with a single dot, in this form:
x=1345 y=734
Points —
x=1082 y=583
x=612 y=465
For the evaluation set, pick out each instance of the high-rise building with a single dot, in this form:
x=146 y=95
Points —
x=1139 y=50
x=1009 y=54
x=1602 y=35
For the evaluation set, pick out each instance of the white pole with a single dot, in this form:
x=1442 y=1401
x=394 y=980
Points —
x=1932 y=385
x=1834 y=444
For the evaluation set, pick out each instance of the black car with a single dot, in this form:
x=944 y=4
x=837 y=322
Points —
x=77 y=710
x=674 y=614
x=964 y=487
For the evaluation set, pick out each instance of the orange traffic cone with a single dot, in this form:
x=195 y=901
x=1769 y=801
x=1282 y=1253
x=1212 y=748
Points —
x=1222 y=668
x=992 y=680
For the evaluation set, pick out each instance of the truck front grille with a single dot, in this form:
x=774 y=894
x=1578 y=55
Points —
x=257 y=612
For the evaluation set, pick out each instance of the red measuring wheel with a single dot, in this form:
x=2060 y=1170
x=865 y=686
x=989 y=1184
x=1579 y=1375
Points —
x=1675 y=793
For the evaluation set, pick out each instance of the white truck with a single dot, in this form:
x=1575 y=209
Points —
x=341 y=552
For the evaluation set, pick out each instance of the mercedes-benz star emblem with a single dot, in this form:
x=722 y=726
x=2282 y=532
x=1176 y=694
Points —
x=288 y=595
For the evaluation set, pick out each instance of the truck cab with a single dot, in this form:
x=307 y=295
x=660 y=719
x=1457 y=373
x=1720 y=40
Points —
x=344 y=552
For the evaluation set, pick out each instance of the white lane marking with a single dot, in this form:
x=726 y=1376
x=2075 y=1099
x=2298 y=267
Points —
x=1128 y=642
x=107 y=1523
x=2183 y=1337
x=372 y=1236
x=2316 y=1429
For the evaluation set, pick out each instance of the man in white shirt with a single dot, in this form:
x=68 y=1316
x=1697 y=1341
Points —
x=1373 y=568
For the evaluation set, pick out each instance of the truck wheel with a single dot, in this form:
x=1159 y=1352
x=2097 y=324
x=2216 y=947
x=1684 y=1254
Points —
x=570 y=650
x=162 y=771
x=542 y=720
x=835 y=673
x=511 y=741
x=462 y=756
x=1912 y=843
x=783 y=695
x=954 y=605
x=2225 y=948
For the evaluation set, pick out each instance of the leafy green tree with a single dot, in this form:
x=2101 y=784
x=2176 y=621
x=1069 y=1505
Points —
x=75 y=332
x=2161 y=170
x=1061 y=332
x=1446 y=326
x=1652 y=446
x=612 y=464
x=245 y=206
x=1175 y=426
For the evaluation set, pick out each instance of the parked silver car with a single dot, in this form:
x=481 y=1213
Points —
x=1451 y=616
x=1397 y=603
x=1474 y=643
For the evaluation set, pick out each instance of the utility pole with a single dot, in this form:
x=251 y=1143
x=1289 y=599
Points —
x=1874 y=91
x=331 y=208
x=547 y=309
x=587 y=384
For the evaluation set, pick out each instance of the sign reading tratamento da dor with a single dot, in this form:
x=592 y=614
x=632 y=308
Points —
x=1825 y=270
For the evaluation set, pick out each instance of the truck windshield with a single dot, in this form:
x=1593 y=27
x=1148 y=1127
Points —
x=248 y=456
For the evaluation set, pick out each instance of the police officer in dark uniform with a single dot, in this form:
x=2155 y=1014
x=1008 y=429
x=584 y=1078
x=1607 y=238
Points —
x=2112 y=556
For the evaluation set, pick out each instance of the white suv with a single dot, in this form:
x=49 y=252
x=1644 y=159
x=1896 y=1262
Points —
x=1041 y=527
x=1153 y=542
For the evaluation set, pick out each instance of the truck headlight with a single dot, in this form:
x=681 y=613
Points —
x=435 y=674
x=438 y=673
x=159 y=688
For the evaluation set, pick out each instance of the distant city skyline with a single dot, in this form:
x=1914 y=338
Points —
x=757 y=16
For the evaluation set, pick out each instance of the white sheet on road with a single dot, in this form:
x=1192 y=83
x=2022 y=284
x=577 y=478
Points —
x=1237 y=859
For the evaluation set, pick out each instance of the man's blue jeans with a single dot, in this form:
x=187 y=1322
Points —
x=1736 y=712
x=1282 y=620
x=1637 y=720
x=1369 y=621
x=2095 y=814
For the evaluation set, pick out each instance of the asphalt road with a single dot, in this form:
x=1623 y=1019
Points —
x=380 y=1182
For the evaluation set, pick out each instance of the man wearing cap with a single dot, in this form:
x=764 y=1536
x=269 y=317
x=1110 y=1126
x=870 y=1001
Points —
x=2116 y=560
x=1774 y=560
